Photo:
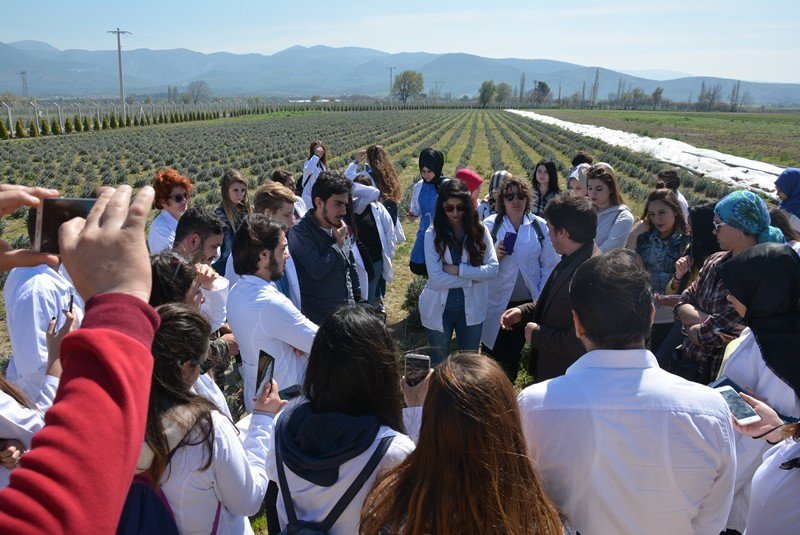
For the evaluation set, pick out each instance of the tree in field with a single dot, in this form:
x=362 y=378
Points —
x=68 y=128
x=408 y=84
x=486 y=92
x=76 y=123
x=198 y=90
x=44 y=128
x=541 y=93
x=709 y=96
x=96 y=125
x=734 y=100
x=106 y=123
x=19 y=129
x=4 y=131
x=33 y=130
x=502 y=92
x=595 y=87
x=657 y=97
x=522 y=87
x=86 y=125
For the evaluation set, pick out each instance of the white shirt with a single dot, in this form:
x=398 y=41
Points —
x=684 y=205
x=236 y=478
x=207 y=388
x=214 y=306
x=473 y=280
x=624 y=447
x=310 y=173
x=313 y=503
x=300 y=207
x=162 y=232
x=746 y=367
x=774 y=508
x=532 y=258
x=21 y=423
x=262 y=318
x=289 y=271
x=33 y=296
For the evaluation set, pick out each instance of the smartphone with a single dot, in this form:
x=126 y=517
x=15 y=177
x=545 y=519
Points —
x=50 y=214
x=266 y=368
x=508 y=241
x=290 y=392
x=724 y=380
x=741 y=411
x=416 y=368
x=726 y=332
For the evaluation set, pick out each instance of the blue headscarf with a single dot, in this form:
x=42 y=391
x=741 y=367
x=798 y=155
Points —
x=746 y=211
x=789 y=183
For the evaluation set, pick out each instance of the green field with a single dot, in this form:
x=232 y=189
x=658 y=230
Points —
x=767 y=137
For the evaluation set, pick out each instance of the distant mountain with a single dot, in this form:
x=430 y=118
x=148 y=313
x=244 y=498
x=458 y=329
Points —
x=657 y=74
x=321 y=70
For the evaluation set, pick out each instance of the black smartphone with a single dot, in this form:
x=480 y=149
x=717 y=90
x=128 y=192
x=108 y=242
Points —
x=290 y=392
x=416 y=368
x=724 y=380
x=50 y=214
x=266 y=368
x=508 y=241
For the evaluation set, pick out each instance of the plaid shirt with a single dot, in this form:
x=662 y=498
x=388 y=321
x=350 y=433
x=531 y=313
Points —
x=708 y=294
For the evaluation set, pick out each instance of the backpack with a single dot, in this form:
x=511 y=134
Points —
x=147 y=511
x=302 y=527
x=534 y=223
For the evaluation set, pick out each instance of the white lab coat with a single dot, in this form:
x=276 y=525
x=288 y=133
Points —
x=310 y=173
x=534 y=259
x=162 y=232
x=472 y=279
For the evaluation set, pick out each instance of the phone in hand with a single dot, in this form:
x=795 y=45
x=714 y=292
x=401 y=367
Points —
x=508 y=241
x=416 y=368
x=290 y=392
x=741 y=411
x=724 y=380
x=50 y=215
x=266 y=369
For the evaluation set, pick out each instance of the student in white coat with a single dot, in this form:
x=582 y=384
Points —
x=614 y=218
x=262 y=318
x=527 y=258
x=460 y=259
x=317 y=162
x=19 y=418
x=211 y=478
x=173 y=192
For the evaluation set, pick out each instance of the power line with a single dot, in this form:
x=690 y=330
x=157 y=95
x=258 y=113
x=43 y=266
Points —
x=24 y=77
x=391 y=78
x=118 y=33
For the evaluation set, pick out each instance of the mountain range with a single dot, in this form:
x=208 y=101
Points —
x=326 y=71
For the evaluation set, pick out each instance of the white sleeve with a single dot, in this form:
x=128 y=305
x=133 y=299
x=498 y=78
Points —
x=351 y=171
x=214 y=307
x=712 y=513
x=618 y=234
x=412 y=419
x=399 y=233
x=310 y=165
x=160 y=238
x=48 y=393
x=438 y=279
x=363 y=195
x=490 y=266
x=414 y=209
x=32 y=312
x=20 y=422
x=240 y=466
x=288 y=324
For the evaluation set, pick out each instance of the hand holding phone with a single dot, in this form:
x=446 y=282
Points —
x=416 y=368
x=51 y=214
x=509 y=240
x=266 y=368
x=742 y=413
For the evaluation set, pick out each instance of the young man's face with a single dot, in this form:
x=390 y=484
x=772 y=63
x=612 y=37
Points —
x=333 y=210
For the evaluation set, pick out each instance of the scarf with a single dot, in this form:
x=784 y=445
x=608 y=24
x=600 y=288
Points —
x=789 y=183
x=747 y=212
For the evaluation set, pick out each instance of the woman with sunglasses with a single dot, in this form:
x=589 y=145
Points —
x=460 y=258
x=173 y=192
x=526 y=257
x=614 y=218
x=211 y=478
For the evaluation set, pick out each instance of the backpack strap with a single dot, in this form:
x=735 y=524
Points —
x=495 y=227
x=357 y=484
x=534 y=224
x=346 y=498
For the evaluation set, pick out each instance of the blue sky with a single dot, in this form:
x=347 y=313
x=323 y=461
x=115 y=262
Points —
x=736 y=39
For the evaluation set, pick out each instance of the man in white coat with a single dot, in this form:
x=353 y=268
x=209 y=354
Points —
x=262 y=318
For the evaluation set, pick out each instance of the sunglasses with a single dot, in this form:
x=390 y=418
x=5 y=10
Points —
x=512 y=196
x=718 y=225
x=206 y=365
x=450 y=208
x=180 y=197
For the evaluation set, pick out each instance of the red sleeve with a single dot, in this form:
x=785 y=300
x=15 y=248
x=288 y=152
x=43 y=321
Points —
x=78 y=472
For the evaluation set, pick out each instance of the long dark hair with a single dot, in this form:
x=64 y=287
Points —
x=352 y=368
x=470 y=472
x=172 y=278
x=234 y=213
x=704 y=243
x=317 y=143
x=667 y=196
x=182 y=336
x=552 y=173
x=473 y=229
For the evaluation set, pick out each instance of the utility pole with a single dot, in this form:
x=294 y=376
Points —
x=438 y=90
x=118 y=33
x=391 y=78
x=24 y=77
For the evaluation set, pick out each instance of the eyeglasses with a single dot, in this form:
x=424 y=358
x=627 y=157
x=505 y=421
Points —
x=718 y=225
x=206 y=365
x=450 y=208
x=512 y=196
x=179 y=197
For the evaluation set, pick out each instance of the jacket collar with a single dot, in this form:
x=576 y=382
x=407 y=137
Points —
x=615 y=358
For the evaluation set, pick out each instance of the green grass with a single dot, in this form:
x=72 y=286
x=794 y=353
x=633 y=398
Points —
x=772 y=137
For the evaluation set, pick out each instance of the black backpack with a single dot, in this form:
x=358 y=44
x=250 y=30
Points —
x=301 y=527
x=534 y=223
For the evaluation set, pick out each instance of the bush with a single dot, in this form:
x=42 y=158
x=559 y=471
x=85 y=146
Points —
x=44 y=128
x=86 y=126
x=68 y=128
x=4 y=131
x=55 y=128
x=106 y=124
x=411 y=302
x=19 y=129
x=33 y=130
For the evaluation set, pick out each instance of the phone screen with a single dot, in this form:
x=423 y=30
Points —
x=290 y=392
x=416 y=368
x=739 y=408
x=49 y=217
x=508 y=242
x=266 y=368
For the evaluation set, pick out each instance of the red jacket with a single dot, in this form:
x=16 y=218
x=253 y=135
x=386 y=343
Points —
x=78 y=472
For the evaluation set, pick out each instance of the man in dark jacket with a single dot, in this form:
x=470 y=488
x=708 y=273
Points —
x=572 y=224
x=322 y=250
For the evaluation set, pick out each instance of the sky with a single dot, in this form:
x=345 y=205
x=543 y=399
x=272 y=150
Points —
x=756 y=41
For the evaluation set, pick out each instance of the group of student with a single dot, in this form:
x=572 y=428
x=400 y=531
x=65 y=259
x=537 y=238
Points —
x=608 y=440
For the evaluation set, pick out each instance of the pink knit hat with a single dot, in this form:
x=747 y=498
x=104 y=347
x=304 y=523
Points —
x=470 y=178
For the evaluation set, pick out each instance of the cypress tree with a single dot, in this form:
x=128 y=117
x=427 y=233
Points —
x=127 y=120
x=106 y=123
x=44 y=128
x=76 y=123
x=68 y=128
x=112 y=122
x=34 y=130
x=3 y=131
x=96 y=124
x=86 y=125
x=55 y=128
x=20 y=130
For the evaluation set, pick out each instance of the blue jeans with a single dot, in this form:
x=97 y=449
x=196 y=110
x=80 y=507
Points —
x=453 y=319
x=373 y=293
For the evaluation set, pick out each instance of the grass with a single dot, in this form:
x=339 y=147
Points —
x=772 y=137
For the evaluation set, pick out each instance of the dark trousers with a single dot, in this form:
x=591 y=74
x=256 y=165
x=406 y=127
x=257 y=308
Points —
x=673 y=338
x=508 y=346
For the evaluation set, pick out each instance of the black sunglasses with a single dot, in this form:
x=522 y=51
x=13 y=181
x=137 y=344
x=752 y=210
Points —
x=206 y=365
x=450 y=208
x=511 y=196
x=179 y=197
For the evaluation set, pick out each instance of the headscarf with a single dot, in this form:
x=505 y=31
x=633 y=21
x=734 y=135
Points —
x=433 y=160
x=766 y=279
x=579 y=173
x=746 y=211
x=498 y=177
x=472 y=179
x=789 y=183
